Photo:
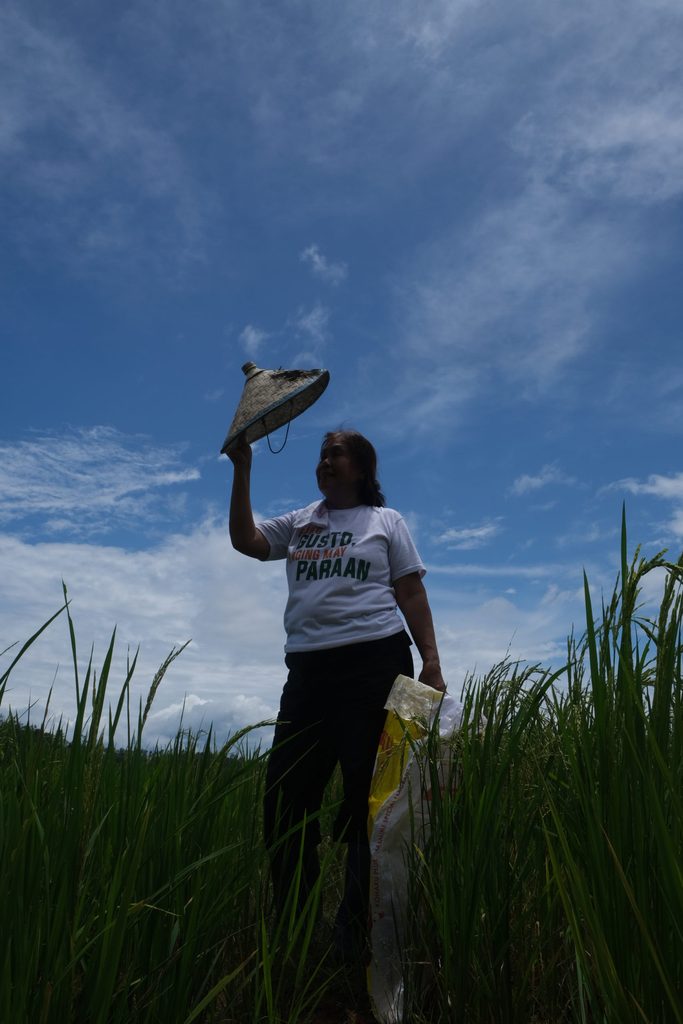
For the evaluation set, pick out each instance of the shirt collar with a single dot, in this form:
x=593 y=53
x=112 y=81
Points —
x=314 y=514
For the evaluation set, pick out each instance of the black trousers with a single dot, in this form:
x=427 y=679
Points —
x=331 y=712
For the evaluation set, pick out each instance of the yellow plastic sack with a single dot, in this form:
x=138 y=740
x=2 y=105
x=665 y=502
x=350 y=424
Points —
x=396 y=808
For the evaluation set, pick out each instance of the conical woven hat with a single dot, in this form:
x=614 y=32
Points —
x=272 y=398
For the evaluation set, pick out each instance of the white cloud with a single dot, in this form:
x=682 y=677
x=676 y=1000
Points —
x=252 y=338
x=548 y=474
x=195 y=586
x=601 y=131
x=478 y=624
x=312 y=325
x=509 y=301
x=174 y=711
x=658 y=485
x=467 y=538
x=88 y=158
x=503 y=307
x=190 y=586
x=432 y=30
x=333 y=273
x=89 y=480
x=676 y=523
x=584 y=532
x=398 y=88
x=531 y=572
x=474 y=635
x=215 y=395
x=506 y=305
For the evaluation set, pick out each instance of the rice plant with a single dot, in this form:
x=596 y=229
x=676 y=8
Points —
x=551 y=886
x=615 y=823
x=548 y=888
x=134 y=883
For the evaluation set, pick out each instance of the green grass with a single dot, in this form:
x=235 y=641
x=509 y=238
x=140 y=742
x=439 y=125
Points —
x=134 y=883
x=552 y=885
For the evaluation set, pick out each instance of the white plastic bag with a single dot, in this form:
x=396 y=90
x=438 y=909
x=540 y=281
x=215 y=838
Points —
x=397 y=817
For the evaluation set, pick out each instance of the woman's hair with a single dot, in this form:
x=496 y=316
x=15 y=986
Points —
x=365 y=457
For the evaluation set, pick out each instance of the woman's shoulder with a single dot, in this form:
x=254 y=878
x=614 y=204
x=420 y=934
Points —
x=388 y=516
x=314 y=512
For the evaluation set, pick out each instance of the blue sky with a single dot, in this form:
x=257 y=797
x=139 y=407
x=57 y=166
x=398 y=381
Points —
x=469 y=212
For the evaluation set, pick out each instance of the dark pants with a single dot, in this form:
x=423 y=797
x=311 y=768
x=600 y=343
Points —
x=332 y=711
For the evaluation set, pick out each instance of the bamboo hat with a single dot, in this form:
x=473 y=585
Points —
x=272 y=398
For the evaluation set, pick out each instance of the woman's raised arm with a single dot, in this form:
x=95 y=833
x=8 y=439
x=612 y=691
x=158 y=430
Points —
x=244 y=534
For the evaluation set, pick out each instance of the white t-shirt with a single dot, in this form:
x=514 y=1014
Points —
x=340 y=567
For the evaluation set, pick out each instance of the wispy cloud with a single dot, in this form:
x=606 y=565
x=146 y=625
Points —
x=510 y=301
x=658 y=485
x=468 y=538
x=627 y=142
x=676 y=523
x=582 y=533
x=311 y=327
x=479 y=632
x=326 y=270
x=252 y=338
x=503 y=569
x=174 y=711
x=490 y=302
x=548 y=474
x=89 y=481
x=87 y=156
x=215 y=395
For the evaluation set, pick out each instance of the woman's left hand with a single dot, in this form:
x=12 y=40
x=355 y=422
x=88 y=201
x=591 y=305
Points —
x=431 y=676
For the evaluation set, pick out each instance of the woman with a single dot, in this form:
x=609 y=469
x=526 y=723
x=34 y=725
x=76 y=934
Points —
x=351 y=566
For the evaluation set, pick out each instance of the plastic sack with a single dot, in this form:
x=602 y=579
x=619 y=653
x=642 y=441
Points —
x=397 y=816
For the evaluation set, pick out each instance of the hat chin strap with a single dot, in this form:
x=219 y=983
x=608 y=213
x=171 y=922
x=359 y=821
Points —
x=276 y=451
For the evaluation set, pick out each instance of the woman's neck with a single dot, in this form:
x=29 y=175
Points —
x=339 y=504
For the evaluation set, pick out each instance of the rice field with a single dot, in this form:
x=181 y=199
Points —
x=134 y=884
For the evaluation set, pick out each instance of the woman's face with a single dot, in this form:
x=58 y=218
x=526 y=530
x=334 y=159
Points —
x=336 y=472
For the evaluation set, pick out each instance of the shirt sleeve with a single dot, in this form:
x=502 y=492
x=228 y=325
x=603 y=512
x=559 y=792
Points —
x=403 y=555
x=278 y=533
